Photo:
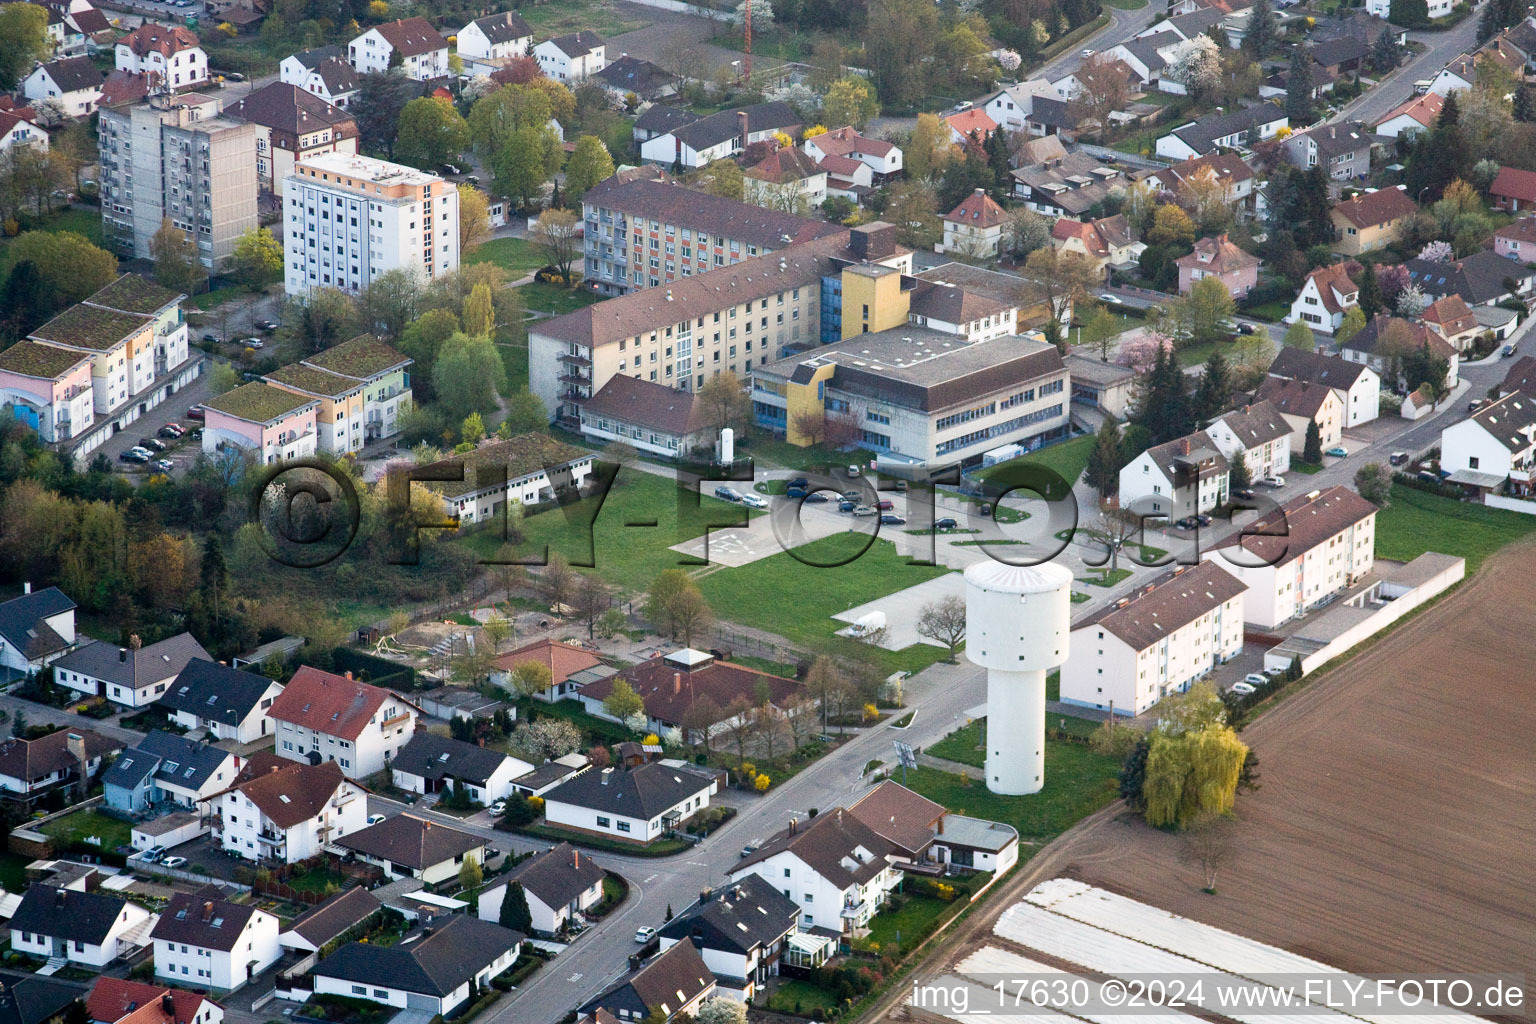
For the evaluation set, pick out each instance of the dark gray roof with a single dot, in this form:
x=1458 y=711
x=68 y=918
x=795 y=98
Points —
x=1051 y=113
x=1201 y=135
x=669 y=202
x=28 y=1000
x=1509 y=420
x=672 y=980
x=319 y=55
x=1145 y=50
x=544 y=774
x=716 y=128
x=559 y=875
x=1316 y=368
x=202 y=919
x=738 y=917
x=578 y=44
x=136 y=668
x=215 y=692
x=432 y=757
x=642 y=792
x=1476 y=278
x=1256 y=424
x=172 y=758
x=506 y=27
x=22 y=625
x=73 y=73
x=411 y=841
x=1196 y=22
x=338 y=76
x=825 y=843
x=1334 y=140
x=347 y=909
x=67 y=914
x=433 y=964
x=291 y=109
x=1331 y=52
x=661 y=118
x=631 y=74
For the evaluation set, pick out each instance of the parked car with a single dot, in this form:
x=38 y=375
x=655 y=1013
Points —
x=164 y=465
x=754 y=501
x=1397 y=458
x=1243 y=688
x=1245 y=328
x=266 y=325
x=473 y=179
x=154 y=444
x=1338 y=451
x=1187 y=523
x=1255 y=679
x=374 y=819
x=799 y=481
x=133 y=455
x=892 y=520
x=174 y=862
x=845 y=506
x=491 y=852
x=252 y=343
x=863 y=510
x=947 y=523
x=644 y=934
x=794 y=492
x=153 y=855
x=1274 y=673
x=727 y=493
x=1507 y=351
x=1243 y=492
x=1272 y=481
x=901 y=485
x=1106 y=297
x=854 y=496
x=1474 y=405
x=212 y=339
x=1203 y=519
x=816 y=498
x=853 y=472
x=749 y=849
x=195 y=413
x=499 y=808
x=170 y=431
x=1086 y=53
x=451 y=169
x=885 y=505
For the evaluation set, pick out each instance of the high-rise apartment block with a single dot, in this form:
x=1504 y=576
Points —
x=177 y=158
x=349 y=218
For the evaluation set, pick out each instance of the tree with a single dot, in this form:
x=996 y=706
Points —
x=1162 y=403
x=1263 y=28
x=470 y=874
x=514 y=909
x=1299 y=103
x=1105 y=88
x=1067 y=277
x=390 y=302
x=721 y=178
x=927 y=148
x=904 y=45
x=1204 y=316
x=474 y=218
x=914 y=209
x=849 y=101
x=1373 y=481
x=1354 y=320
x=469 y=375
x=530 y=679
x=1409 y=13
x=1025 y=231
x=1171 y=226
x=592 y=599
x=1196 y=65
x=1214 y=390
x=1191 y=773
x=557 y=582
x=526 y=161
x=1208 y=843
x=943 y=621
x=177 y=266
x=498 y=630
x=1312 y=452
x=1104 y=463
x=431 y=133
x=1385 y=53
x=381 y=99
x=223 y=378
x=23 y=40
x=526 y=413
x=722 y=1010
x=588 y=165
x=1299 y=335
x=558 y=240
x=622 y=701
x=24 y=302
x=494 y=117
x=725 y=401
x=258 y=259
x=479 y=312
x=1100 y=332
x=70 y=266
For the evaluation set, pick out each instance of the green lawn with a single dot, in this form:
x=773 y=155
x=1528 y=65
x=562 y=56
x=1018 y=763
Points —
x=1077 y=783
x=84 y=220
x=1069 y=458
x=1274 y=312
x=1126 y=5
x=768 y=452
x=219 y=296
x=316 y=881
x=963 y=746
x=548 y=298
x=1105 y=577
x=1305 y=468
x=13 y=871
x=557 y=19
x=76 y=827
x=1417 y=522
x=887 y=927
x=801 y=998
x=517 y=256
x=782 y=594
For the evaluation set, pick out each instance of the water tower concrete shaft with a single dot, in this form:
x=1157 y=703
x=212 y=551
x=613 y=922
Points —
x=1017 y=627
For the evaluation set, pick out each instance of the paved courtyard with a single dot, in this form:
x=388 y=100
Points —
x=903 y=608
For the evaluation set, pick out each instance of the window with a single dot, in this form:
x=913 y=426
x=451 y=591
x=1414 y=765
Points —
x=623 y=826
x=602 y=822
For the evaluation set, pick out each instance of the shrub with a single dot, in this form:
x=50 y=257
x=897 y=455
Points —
x=761 y=783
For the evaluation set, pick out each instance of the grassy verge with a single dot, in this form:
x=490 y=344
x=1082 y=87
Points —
x=549 y=298
x=1305 y=468
x=517 y=256
x=660 y=848
x=1125 y=5
x=912 y=918
x=1105 y=577
x=963 y=746
x=1417 y=522
x=802 y=998
x=1069 y=458
x=1077 y=783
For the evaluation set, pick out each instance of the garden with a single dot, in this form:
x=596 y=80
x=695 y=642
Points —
x=90 y=829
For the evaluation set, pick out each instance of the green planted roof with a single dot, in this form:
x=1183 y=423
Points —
x=91 y=327
x=38 y=360
x=134 y=294
x=259 y=403
x=313 y=381
x=521 y=455
x=363 y=357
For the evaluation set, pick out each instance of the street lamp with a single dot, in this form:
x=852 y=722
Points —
x=1426 y=188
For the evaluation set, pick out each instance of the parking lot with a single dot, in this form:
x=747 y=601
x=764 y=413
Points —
x=182 y=453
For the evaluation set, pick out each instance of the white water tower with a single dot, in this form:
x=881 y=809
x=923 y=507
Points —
x=1018 y=620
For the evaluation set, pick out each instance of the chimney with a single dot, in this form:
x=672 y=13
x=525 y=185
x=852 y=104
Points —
x=208 y=910
x=741 y=118
x=941 y=825
x=677 y=682
x=349 y=671
x=122 y=655
x=58 y=900
x=426 y=825
x=168 y=1004
x=75 y=744
x=575 y=858
x=26 y=588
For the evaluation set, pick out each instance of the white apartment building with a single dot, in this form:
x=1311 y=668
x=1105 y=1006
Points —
x=328 y=717
x=1259 y=433
x=835 y=868
x=494 y=38
x=528 y=469
x=1301 y=556
x=210 y=943
x=571 y=58
x=289 y=814
x=421 y=50
x=1183 y=477
x=350 y=218
x=1157 y=641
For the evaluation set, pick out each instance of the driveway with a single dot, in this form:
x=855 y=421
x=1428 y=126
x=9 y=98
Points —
x=183 y=452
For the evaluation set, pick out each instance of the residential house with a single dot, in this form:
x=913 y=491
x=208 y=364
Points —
x=1258 y=434
x=1358 y=386
x=1494 y=448
x=529 y=469
x=495 y=38
x=1517 y=240
x=321 y=925
x=837 y=869
x=1413 y=117
x=1300 y=556
x=450 y=702
x=661 y=119
x=406 y=846
x=1481 y=279
x=1238 y=181
x=1160 y=639
x=1383 y=8
x=560 y=885
x=1109 y=243
x=292 y=124
x=741 y=931
x=30 y=769
x=1097 y=78
x=272 y=424
x=1325 y=296
x=573 y=57
x=975 y=227
x=171 y=53
x=569 y=667
x=1342 y=54
x=1146 y=58
x=1521 y=377
x=120 y=1001
x=1012 y=107
x=74 y=81
x=288 y=813
x=208 y=942
x=969 y=125
x=228 y=703
x=973 y=302
x=1460 y=75
x=90 y=929
x=1302 y=404
x=17 y=130
x=631 y=76
x=48 y=388
x=1513 y=189
x=786 y=179
x=131 y=676
x=430 y=763
x=675 y=687
x=698 y=140
x=1186 y=25
x=1371 y=220
x=322 y=72
x=1183 y=477
x=637 y=806
x=924 y=832
x=884 y=159
x=1071 y=185
x=1235 y=129
x=323 y=717
x=675 y=983
x=383 y=373
x=437 y=969
x=1366 y=347
x=164 y=768
x=652 y=418
x=847 y=178
x=339 y=416
x=419 y=49
x=1343 y=151
x=550 y=774
x=1218 y=257
x=1450 y=318
x=36 y=629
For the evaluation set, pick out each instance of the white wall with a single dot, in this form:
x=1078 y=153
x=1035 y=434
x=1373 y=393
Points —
x=360 y=759
x=254 y=951
x=84 y=953
x=820 y=901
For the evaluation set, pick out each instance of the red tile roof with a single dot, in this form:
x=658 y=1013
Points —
x=1513 y=183
x=669 y=691
x=1218 y=256
x=1423 y=109
x=1330 y=280
x=974 y=120
x=164 y=40
x=978 y=210
x=1380 y=207
x=1451 y=315
x=562 y=660
x=328 y=703
x=842 y=141
x=119 y=1001
x=294 y=792
x=412 y=36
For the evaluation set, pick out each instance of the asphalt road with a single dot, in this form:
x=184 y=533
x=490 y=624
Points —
x=1440 y=48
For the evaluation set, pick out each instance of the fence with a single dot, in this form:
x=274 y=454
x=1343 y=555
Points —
x=1130 y=159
